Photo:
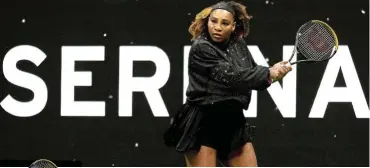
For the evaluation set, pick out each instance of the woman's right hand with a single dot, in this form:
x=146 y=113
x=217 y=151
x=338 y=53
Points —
x=279 y=70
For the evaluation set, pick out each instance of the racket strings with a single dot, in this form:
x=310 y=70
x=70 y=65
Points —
x=42 y=164
x=315 y=41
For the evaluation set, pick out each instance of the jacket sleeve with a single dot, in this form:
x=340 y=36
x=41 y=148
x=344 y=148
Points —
x=206 y=61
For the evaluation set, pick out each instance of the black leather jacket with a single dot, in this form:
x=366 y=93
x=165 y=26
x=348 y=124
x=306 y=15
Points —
x=219 y=72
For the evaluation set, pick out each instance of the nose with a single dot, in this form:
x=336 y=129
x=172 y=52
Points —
x=218 y=27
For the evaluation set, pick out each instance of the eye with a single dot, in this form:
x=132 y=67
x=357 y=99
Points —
x=225 y=23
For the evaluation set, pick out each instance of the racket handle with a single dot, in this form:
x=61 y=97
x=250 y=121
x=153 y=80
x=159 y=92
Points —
x=291 y=57
x=289 y=63
x=292 y=63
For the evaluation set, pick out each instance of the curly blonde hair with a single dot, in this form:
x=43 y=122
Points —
x=241 y=17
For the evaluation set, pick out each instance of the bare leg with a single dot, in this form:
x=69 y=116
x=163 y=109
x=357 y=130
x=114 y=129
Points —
x=243 y=157
x=205 y=157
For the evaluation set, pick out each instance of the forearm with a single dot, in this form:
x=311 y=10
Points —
x=255 y=78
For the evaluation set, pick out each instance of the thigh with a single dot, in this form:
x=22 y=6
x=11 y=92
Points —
x=205 y=157
x=243 y=157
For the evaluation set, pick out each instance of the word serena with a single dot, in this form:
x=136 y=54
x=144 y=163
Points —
x=284 y=96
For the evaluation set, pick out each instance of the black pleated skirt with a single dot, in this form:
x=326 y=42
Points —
x=221 y=126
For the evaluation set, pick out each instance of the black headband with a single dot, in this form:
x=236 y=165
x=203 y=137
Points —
x=224 y=6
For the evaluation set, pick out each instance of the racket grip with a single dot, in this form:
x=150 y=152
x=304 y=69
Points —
x=288 y=63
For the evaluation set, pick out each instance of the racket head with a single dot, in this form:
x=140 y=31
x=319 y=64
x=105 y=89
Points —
x=316 y=41
x=43 y=163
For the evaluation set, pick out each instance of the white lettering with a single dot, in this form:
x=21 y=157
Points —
x=25 y=80
x=352 y=93
x=149 y=85
x=70 y=78
x=283 y=96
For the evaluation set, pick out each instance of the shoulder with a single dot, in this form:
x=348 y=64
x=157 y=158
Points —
x=203 y=49
x=241 y=42
x=201 y=44
x=242 y=45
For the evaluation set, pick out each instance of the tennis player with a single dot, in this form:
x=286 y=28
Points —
x=211 y=126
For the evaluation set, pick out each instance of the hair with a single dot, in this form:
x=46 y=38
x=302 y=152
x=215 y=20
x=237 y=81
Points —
x=199 y=25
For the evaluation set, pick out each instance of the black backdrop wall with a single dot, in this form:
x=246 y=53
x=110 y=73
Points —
x=339 y=138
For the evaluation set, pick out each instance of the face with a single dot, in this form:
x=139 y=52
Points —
x=220 y=25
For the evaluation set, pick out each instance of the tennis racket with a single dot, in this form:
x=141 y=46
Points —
x=42 y=163
x=315 y=41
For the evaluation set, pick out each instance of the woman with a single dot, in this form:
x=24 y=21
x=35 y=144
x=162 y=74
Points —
x=222 y=73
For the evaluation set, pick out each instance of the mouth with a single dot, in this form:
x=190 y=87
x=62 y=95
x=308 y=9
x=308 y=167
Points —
x=216 y=35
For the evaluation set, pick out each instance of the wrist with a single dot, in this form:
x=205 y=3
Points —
x=270 y=79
